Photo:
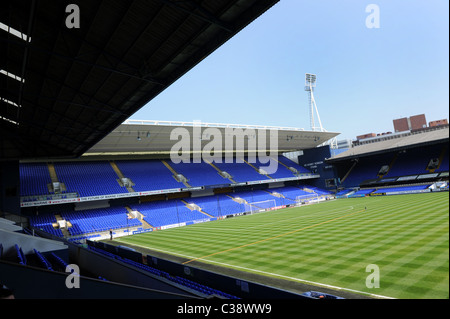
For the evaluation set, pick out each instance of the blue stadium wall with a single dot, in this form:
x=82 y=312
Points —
x=314 y=160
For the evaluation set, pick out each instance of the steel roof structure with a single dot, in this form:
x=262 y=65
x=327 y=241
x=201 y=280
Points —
x=64 y=89
x=159 y=138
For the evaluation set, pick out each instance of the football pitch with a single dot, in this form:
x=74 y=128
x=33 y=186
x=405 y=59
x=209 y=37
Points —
x=386 y=246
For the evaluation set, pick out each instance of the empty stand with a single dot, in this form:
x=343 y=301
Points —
x=408 y=164
x=286 y=162
x=99 y=220
x=282 y=171
x=199 y=174
x=290 y=192
x=218 y=205
x=34 y=178
x=258 y=196
x=45 y=222
x=443 y=160
x=170 y=212
x=240 y=172
x=148 y=175
x=89 y=178
x=399 y=189
x=403 y=163
x=96 y=178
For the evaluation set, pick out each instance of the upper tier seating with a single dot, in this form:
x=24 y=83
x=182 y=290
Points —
x=402 y=163
x=199 y=174
x=34 y=178
x=405 y=164
x=148 y=175
x=281 y=170
x=94 y=178
x=241 y=172
x=443 y=167
x=286 y=161
x=89 y=178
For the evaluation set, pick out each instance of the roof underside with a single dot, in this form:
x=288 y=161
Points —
x=66 y=89
x=162 y=140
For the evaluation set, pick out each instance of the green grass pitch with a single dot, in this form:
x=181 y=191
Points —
x=330 y=243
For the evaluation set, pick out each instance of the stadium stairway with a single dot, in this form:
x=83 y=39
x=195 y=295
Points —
x=306 y=189
x=281 y=163
x=245 y=201
x=239 y=201
x=174 y=172
x=195 y=207
x=257 y=170
x=390 y=166
x=275 y=194
x=52 y=172
x=63 y=230
x=120 y=175
x=140 y=217
x=441 y=158
x=221 y=173
x=54 y=179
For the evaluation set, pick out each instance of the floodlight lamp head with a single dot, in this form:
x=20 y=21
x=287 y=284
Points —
x=310 y=81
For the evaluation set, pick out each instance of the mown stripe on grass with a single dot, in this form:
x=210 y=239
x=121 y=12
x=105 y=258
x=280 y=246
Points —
x=405 y=234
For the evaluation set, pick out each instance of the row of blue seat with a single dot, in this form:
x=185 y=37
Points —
x=58 y=261
x=409 y=162
x=202 y=288
x=42 y=260
x=168 y=212
x=97 y=220
x=99 y=178
x=34 y=178
x=401 y=189
x=397 y=189
x=176 y=279
x=38 y=259
x=21 y=258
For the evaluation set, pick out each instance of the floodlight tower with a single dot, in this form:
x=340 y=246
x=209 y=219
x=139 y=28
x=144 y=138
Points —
x=310 y=84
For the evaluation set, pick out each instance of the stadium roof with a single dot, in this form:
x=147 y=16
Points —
x=396 y=143
x=135 y=137
x=64 y=89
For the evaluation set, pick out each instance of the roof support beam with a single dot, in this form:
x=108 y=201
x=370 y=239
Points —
x=95 y=65
x=205 y=16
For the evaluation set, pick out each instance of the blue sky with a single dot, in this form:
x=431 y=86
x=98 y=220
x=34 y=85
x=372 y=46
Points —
x=365 y=77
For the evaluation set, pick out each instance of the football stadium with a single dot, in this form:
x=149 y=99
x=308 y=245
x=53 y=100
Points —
x=96 y=205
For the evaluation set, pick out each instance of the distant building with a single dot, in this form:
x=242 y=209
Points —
x=344 y=144
x=401 y=125
x=438 y=122
x=418 y=122
x=414 y=122
x=361 y=137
